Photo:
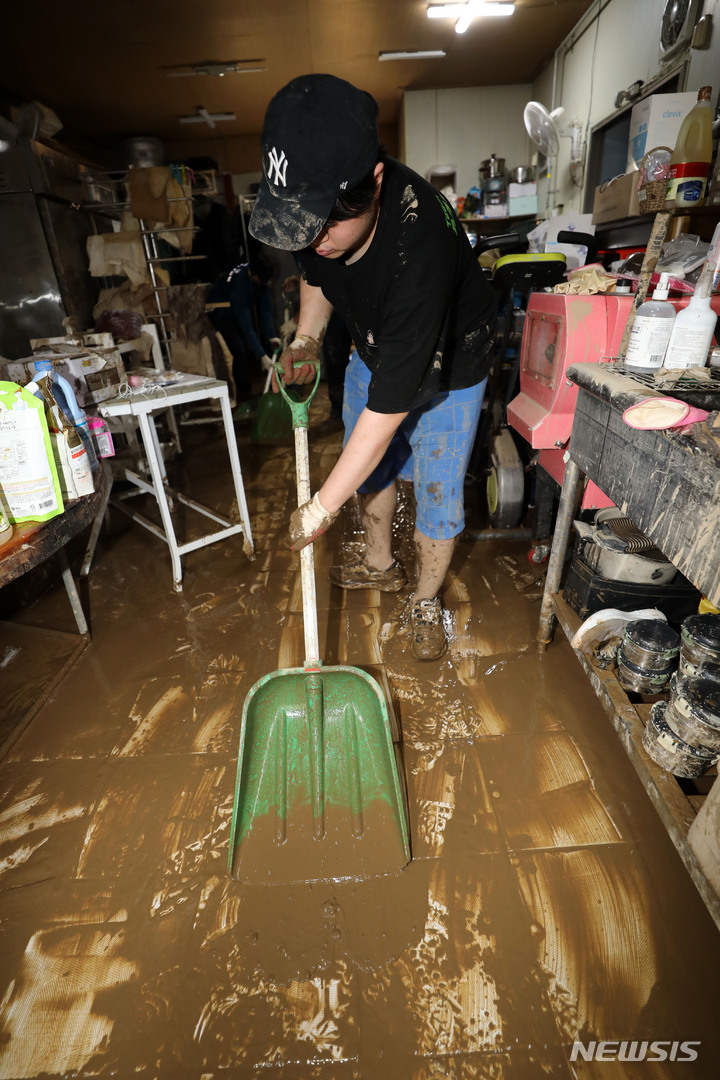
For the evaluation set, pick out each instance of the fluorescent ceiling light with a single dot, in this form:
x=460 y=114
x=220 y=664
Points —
x=465 y=13
x=413 y=54
x=216 y=68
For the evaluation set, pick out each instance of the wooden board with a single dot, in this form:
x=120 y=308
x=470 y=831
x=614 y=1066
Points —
x=668 y=798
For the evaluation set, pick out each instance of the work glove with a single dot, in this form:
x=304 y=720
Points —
x=275 y=342
x=308 y=522
x=303 y=348
x=266 y=363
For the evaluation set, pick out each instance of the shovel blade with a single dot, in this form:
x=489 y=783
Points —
x=317 y=793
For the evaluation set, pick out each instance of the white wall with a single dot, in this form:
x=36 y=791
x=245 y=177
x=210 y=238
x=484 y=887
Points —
x=619 y=45
x=464 y=127
x=614 y=44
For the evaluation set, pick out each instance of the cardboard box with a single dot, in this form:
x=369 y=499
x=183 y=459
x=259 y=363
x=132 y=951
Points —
x=656 y=121
x=94 y=375
x=616 y=200
x=522 y=204
x=520 y=191
x=496 y=210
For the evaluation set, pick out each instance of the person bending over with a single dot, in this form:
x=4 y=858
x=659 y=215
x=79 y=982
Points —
x=382 y=247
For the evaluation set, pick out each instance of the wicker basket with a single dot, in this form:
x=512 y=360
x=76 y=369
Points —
x=651 y=197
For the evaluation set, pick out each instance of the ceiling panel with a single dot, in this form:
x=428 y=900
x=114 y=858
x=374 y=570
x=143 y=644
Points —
x=103 y=67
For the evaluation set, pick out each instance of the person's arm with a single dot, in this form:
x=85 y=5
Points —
x=363 y=451
x=312 y=320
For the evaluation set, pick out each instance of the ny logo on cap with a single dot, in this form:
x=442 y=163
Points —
x=277 y=167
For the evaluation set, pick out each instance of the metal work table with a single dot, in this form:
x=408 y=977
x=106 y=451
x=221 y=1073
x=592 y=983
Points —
x=32 y=544
x=142 y=403
x=668 y=483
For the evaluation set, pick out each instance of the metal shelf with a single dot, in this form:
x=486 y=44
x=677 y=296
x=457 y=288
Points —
x=674 y=807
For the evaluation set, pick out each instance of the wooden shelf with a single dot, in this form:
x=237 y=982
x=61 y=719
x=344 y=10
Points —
x=635 y=231
x=676 y=809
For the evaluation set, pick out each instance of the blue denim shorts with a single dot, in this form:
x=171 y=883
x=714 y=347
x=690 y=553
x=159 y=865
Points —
x=432 y=447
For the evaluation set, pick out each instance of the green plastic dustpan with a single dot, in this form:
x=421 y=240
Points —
x=317 y=790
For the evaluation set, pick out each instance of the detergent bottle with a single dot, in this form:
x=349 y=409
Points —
x=690 y=160
x=65 y=397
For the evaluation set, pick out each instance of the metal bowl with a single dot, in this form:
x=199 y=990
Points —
x=521 y=174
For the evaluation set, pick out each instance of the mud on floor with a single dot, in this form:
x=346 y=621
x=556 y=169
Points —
x=544 y=903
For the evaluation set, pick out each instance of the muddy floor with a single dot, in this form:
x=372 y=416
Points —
x=544 y=903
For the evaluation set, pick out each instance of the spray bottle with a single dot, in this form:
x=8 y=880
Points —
x=694 y=327
x=651 y=330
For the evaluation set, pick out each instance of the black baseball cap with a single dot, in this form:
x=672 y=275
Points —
x=319 y=139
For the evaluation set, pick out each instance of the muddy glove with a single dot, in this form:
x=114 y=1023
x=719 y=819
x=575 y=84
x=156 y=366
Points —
x=308 y=522
x=302 y=348
x=266 y=363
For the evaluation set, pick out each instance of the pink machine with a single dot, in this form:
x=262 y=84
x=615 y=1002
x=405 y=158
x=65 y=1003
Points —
x=562 y=330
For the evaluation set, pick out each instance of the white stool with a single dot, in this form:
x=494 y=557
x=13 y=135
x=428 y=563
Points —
x=142 y=403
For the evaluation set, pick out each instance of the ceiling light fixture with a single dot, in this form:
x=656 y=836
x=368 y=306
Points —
x=413 y=54
x=216 y=68
x=204 y=117
x=465 y=13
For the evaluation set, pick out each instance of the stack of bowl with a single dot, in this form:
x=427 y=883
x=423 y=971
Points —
x=683 y=734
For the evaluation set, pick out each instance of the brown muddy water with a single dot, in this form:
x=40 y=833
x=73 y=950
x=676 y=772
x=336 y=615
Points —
x=544 y=902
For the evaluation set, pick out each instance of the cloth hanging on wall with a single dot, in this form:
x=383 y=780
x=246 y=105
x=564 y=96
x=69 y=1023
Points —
x=148 y=197
x=158 y=198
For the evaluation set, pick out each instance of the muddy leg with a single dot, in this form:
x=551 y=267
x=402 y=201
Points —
x=377 y=511
x=433 y=559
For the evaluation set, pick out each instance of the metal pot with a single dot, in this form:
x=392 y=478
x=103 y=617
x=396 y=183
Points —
x=142 y=151
x=521 y=174
x=492 y=167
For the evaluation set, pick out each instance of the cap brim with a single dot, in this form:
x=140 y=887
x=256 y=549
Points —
x=285 y=223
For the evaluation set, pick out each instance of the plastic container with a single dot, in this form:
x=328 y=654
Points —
x=692 y=335
x=711 y=270
x=672 y=753
x=693 y=712
x=651 y=330
x=102 y=439
x=700 y=648
x=6 y=529
x=690 y=160
x=65 y=397
x=648 y=655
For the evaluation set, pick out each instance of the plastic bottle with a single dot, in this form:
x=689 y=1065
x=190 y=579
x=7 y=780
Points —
x=65 y=397
x=651 y=330
x=690 y=160
x=693 y=330
x=6 y=529
x=101 y=437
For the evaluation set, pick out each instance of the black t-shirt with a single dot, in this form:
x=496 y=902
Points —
x=417 y=304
